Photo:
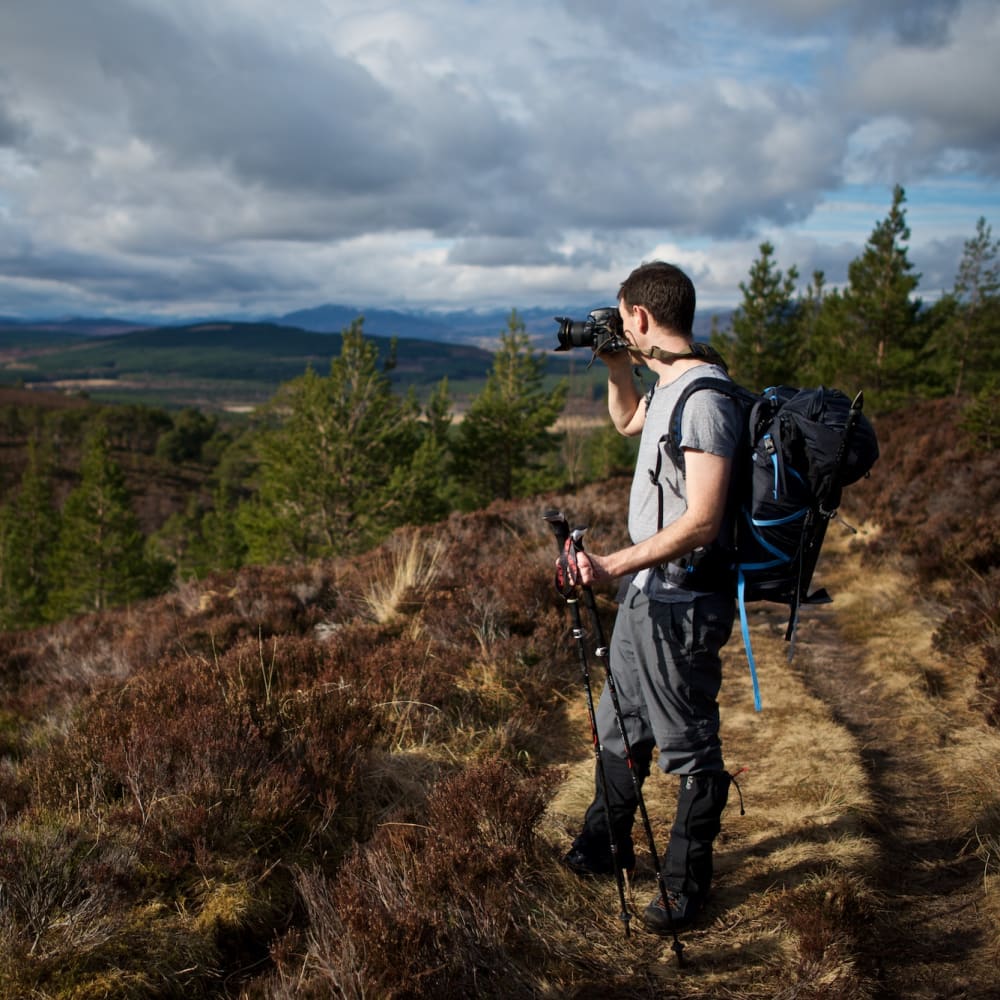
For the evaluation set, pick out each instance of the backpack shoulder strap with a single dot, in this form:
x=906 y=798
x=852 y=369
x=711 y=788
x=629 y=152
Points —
x=672 y=439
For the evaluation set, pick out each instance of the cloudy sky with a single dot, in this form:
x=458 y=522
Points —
x=177 y=158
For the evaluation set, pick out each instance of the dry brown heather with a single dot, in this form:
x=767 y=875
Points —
x=356 y=779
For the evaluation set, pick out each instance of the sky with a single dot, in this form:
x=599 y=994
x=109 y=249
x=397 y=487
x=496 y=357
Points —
x=176 y=158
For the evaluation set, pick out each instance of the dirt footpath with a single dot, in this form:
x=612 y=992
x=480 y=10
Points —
x=932 y=766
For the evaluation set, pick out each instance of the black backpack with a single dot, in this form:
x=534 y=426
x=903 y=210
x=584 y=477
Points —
x=800 y=448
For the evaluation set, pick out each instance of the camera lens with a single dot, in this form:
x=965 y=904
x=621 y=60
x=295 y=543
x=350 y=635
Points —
x=572 y=333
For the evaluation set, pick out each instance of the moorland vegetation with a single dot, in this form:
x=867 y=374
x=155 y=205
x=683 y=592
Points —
x=304 y=719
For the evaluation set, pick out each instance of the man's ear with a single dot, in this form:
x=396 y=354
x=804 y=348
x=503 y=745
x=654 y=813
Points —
x=641 y=318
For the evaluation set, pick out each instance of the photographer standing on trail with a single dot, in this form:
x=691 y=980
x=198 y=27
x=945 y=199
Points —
x=676 y=601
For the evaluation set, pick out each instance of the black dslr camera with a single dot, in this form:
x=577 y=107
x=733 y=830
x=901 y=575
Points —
x=601 y=331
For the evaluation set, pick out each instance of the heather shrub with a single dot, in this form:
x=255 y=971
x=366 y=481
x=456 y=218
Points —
x=63 y=887
x=244 y=753
x=434 y=904
x=934 y=493
x=16 y=654
x=48 y=875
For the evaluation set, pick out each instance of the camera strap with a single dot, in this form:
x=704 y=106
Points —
x=703 y=351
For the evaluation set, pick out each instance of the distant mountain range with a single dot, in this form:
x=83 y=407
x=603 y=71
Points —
x=466 y=326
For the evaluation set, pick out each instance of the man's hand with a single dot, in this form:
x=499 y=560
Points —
x=575 y=567
x=568 y=574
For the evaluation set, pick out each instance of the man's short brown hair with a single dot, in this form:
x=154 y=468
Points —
x=665 y=291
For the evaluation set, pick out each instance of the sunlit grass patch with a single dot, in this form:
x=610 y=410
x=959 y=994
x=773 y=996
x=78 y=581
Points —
x=406 y=568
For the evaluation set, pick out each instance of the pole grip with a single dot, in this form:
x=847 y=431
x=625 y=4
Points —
x=559 y=525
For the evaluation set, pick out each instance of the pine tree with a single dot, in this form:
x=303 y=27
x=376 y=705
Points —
x=424 y=489
x=981 y=416
x=219 y=545
x=762 y=346
x=99 y=560
x=505 y=436
x=974 y=335
x=29 y=527
x=810 y=328
x=327 y=479
x=877 y=314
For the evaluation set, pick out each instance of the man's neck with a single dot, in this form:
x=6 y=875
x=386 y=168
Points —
x=668 y=368
x=668 y=372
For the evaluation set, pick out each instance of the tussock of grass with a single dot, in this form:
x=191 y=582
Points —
x=408 y=567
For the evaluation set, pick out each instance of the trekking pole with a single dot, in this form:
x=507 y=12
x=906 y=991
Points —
x=602 y=653
x=560 y=529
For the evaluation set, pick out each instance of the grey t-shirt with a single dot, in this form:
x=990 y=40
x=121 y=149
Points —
x=710 y=422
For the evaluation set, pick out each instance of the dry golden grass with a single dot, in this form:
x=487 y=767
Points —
x=408 y=566
x=936 y=767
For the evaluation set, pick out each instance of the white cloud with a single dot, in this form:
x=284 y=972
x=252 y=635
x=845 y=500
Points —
x=168 y=155
x=942 y=97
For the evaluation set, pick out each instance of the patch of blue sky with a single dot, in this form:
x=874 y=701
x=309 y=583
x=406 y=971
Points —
x=727 y=45
x=933 y=209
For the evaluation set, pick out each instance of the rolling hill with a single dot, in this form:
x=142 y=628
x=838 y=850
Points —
x=213 y=365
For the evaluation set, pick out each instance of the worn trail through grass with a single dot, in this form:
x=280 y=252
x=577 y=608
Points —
x=932 y=769
x=856 y=872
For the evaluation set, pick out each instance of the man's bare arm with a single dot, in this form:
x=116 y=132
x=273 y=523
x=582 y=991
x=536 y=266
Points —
x=624 y=399
x=707 y=487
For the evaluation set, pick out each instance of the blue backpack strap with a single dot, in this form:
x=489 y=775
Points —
x=747 y=645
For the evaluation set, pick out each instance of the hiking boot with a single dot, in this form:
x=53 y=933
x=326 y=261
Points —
x=590 y=866
x=682 y=912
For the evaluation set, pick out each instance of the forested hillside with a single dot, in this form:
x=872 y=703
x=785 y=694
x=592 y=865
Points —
x=216 y=367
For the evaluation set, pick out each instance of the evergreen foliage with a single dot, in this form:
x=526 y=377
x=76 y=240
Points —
x=973 y=341
x=329 y=479
x=810 y=324
x=184 y=441
x=28 y=530
x=981 y=418
x=608 y=453
x=99 y=558
x=875 y=325
x=762 y=347
x=421 y=485
x=502 y=443
x=200 y=540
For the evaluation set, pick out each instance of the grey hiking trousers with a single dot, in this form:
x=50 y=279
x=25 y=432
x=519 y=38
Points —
x=664 y=658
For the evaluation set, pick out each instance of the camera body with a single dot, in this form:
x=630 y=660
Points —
x=601 y=331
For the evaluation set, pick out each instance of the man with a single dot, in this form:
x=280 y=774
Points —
x=671 y=622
